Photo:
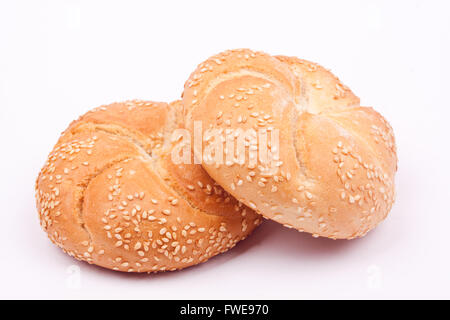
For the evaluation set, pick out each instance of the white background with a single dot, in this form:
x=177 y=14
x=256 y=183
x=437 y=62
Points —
x=58 y=59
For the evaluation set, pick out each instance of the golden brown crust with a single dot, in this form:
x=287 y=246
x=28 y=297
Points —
x=321 y=90
x=337 y=162
x=108 y=194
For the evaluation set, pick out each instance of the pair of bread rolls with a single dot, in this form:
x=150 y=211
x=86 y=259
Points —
x=111 y=194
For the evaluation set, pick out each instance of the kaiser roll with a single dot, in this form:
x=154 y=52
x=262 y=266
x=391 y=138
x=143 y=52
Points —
x=332 y=174
x=110 y=195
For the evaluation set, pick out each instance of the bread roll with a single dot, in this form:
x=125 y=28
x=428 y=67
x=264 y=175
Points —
x=110 y=195
x=334 y=175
